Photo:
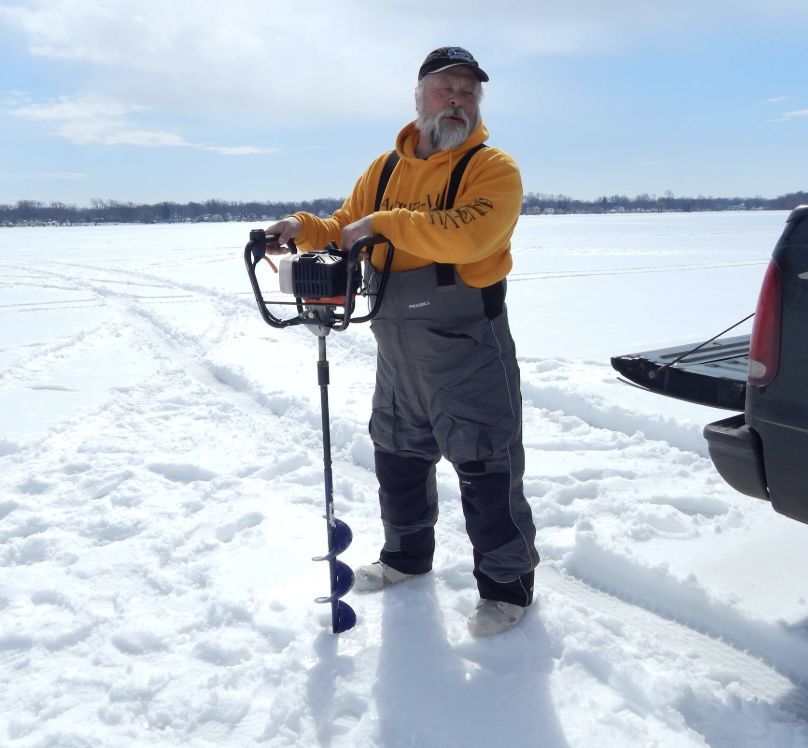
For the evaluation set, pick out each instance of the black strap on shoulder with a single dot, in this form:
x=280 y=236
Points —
x=387 y=170
x=444 y=271
x=450 y=193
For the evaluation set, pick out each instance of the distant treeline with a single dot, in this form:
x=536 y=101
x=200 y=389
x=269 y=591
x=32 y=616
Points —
x=33 y=212
x=539 y=203
x=27 y=212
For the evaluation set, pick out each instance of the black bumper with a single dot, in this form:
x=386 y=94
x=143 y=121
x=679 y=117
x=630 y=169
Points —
x=737 y=454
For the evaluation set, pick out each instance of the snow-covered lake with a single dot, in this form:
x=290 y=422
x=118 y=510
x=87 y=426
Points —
x=161 y=498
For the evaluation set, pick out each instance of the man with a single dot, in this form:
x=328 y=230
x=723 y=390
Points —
x=447 y=380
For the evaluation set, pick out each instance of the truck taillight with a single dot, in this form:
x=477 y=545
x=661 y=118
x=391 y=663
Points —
x=764 y=348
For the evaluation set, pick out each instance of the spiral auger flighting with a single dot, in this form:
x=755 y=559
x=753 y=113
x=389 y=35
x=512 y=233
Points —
x=339 y=534
x=325 y=285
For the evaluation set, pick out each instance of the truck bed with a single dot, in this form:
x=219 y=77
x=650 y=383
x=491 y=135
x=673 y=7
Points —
x=714 y=375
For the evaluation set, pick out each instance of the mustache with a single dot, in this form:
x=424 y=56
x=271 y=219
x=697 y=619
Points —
x=454 y=112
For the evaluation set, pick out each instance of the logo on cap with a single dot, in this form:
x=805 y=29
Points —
x=458 y=53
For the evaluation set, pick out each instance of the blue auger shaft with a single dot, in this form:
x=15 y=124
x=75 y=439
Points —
x=323 y=381
x=328 y=481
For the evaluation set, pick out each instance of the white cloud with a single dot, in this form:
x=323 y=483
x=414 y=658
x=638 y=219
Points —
x=789 y=116
x=305 y=58
x=292 y=65
x=85 y=119
x=246 y=56
x=96 y=119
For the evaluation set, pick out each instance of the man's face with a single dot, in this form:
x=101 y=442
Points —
x=455 y=87
x=448 y=106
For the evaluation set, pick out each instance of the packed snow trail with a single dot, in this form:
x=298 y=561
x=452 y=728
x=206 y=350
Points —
x=161 y=499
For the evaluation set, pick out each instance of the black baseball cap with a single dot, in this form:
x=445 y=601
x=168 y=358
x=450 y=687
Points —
x=449 y=57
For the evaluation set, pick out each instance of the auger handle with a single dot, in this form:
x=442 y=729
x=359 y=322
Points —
x=364 y=242
x=256 y=250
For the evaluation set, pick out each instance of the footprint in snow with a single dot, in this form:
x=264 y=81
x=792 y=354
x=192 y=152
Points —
x=282 y=465
x=7 y=507
x=103 y=531
x=8 y=448
x=51 y=597
x=33 y=487
x=75 y=468
x=346 y=712
x=137 y=642
x=181 y=473
x=68 y=638
x=227 y=614
x=694 y=506
x=219 y=654
x=32 y=550
x=11 y=642
x=227 y=532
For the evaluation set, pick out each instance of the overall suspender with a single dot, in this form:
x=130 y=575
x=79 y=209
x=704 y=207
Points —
x=494 y=295
x=449 y=192
x=387 y=170
x=444 y=272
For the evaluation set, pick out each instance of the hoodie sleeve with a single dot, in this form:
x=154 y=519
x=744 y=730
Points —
x=480 y=225
x=316 y=232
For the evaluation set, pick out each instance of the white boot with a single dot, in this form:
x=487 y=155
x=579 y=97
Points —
x=377 y=576
x=493 y=617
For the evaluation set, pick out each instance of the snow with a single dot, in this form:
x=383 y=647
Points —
x=161 y=499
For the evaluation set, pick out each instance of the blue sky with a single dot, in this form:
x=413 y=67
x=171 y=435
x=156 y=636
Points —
x=151 y=100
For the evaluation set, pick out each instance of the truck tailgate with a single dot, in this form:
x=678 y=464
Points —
x=714 y=375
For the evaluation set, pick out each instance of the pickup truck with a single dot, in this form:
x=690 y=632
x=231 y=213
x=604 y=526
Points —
x=762 y=450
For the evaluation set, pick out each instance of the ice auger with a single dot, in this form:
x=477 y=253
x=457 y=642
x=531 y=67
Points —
x=325 y=286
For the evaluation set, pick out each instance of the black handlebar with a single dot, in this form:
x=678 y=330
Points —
x=256 y=250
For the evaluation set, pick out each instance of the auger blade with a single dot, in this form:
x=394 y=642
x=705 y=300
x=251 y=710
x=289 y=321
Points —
x=340 y=537
x=344 y=619
x=343 y=581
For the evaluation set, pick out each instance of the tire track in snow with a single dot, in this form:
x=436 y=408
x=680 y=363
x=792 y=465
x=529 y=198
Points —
x=194 y=352
x=590 y=405
x=688 y=605
x=609 y=449
x=42 y=357
x=670 y=615
x=196 y=356
x=592 y=623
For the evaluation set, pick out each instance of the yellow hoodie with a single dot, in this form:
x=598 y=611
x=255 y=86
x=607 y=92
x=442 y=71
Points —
x=474 y=235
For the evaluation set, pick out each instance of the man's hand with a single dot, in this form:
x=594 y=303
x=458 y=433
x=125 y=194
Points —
x=286 y=229
x=356 y=230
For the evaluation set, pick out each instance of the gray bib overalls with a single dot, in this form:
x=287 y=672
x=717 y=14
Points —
x=447 y=385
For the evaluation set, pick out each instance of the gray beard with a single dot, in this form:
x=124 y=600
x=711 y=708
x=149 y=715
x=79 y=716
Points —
x=444 y=134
